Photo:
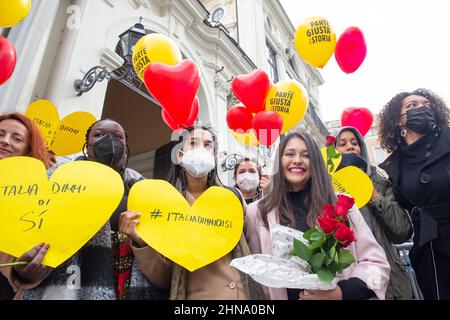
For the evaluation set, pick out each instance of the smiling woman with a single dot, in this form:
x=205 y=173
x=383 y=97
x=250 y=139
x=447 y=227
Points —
x=300 y=190
x=19 y=136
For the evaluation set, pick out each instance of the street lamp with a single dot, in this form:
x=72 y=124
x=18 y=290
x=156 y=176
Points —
x=96 y=74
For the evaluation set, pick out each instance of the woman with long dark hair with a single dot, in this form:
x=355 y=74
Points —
x=414 y=126
x=300 y=188
x=192 y=172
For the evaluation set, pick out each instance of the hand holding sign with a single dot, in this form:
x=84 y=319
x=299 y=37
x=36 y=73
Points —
x=192 y=237
x=64 y=212
x=64 y=137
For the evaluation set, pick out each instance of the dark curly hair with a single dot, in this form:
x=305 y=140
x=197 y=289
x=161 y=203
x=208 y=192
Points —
x=389 y=129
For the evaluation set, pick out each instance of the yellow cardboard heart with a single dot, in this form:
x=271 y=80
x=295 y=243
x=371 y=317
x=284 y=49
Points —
x=192 y=237
x=64 y=212
x=66 y=136
x=355 y=182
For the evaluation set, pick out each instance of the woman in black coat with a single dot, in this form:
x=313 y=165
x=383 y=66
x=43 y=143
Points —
x=414 y=126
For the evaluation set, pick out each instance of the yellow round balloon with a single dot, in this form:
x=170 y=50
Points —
x=290 y=100
x=246 y=138
x=12 y=12
x=154 y=48
x=315 y=41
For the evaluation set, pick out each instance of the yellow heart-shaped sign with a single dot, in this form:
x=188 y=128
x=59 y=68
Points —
x=192 y=237
x=66 y=136
x=355 y=182
x=64 y=212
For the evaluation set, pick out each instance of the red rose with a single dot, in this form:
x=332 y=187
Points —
x=346 y=201
x=328 y=211
x=330 y=140
x=345 y=235
x=327 y=224
x=341 y=210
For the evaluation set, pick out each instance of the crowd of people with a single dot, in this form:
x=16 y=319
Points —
x=411 y=202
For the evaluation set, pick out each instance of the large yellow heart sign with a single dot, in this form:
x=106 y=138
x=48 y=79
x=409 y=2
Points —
x=192 y=237
x=64 y=212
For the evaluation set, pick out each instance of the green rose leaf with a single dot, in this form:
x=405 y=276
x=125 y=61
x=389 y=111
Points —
x=330 y=256
x=315 y=236
x=317 y=260
x=345 y=259
x=316 y=244
x=325 y=275
x=301 y=250
x=307 y=234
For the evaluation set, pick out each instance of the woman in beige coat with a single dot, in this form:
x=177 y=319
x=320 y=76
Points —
x=193 y=173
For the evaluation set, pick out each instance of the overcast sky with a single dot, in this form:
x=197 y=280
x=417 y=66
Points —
x=408 y=46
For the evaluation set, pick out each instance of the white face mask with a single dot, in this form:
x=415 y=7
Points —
x=248 y=181
x=198 y=162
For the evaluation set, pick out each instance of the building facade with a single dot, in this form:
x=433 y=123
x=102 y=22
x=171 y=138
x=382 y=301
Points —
x=60 y=41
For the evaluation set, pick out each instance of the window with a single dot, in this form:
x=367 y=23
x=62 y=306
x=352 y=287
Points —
x=272 y=60
x=218 y=15
x=379 y=155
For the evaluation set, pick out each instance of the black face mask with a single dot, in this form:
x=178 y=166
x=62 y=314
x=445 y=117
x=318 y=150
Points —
x=349 y=159
x=420 y=120
x=109 y=150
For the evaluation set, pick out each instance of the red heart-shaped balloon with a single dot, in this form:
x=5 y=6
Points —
x=174 y=87
x=350 y=50
x=189 y=122
x=7 y=59
x=252 y=89
x=267 y=126
x=239 y=118
x=359 y=118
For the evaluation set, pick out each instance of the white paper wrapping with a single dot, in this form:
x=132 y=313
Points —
x=281 y=270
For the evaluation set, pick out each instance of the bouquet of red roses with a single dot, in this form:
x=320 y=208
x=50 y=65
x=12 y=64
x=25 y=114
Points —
x=325 y=251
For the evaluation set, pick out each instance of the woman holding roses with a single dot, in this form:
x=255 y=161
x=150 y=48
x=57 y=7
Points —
x=300 y=189
x=390 y=223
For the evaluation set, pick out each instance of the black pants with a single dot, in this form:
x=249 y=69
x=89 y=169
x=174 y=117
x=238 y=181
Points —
x=431 y=263
x=6 y=292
